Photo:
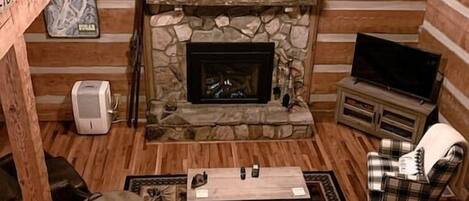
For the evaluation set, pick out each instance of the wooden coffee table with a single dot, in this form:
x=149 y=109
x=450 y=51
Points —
x=274 y=183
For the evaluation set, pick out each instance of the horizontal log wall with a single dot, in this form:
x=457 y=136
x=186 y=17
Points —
x=446 y=31
x=57 y=63
x=338 y=24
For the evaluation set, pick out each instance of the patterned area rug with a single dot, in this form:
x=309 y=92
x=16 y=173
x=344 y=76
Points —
x=322 y=186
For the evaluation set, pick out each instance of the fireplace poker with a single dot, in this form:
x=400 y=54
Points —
x=288 y=85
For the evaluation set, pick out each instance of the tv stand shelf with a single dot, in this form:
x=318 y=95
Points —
x=381 y=112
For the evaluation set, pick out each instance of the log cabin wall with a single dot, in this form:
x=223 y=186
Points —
x=339 y=22
x=57 y=63
x=446 y=30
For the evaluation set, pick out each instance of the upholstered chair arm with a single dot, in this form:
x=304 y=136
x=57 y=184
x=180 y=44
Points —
x=394 y=148
x=403 y=187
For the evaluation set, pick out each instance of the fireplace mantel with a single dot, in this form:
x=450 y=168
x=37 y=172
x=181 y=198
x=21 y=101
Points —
x=234 y=2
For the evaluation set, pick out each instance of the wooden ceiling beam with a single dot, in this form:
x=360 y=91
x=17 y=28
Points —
x=15 y=20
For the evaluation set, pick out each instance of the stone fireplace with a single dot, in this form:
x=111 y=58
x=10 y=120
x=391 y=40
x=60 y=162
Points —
x=220 y=70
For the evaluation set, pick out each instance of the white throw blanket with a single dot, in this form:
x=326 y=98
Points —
x=437 y=141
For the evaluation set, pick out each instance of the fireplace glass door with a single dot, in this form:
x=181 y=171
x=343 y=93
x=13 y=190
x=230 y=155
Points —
x=229 y=72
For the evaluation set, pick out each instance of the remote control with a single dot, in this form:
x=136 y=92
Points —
x=243 y=173
x=255 y=171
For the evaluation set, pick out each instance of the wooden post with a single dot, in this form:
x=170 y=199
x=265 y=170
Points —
x=17 y=97
x=315 y=13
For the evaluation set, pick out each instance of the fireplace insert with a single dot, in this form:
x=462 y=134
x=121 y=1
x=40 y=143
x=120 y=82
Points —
x=229 y=72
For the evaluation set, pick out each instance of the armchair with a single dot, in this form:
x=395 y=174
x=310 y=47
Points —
x=443 y=153
x=66 y=183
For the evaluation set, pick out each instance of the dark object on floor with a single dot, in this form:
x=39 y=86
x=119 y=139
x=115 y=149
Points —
x=66 y=183
x=286 y=100
x=277 y=92
x=322 y=186
x=199 y=180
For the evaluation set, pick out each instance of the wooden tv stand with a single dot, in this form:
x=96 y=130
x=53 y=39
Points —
x=381 y=112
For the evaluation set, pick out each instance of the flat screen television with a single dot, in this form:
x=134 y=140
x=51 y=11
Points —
x=397 y=67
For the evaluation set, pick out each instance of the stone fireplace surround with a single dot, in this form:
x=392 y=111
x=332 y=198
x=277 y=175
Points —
x=287 y=25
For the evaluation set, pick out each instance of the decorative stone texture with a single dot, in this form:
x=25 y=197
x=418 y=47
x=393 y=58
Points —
x=299 y=36
x=272 y=26
x=299 y=131
x=276 y=117
x=252 y=116
x=223 y=132
x=298 y=54
x=215 y=35
x=268 y=131
x=183 y=32
x=160 y=59
x=202 y=133
x=304 y=20
x=171 y=51
x=261 y=37
x=208 y=23
x=279 y=37
x=202 y=118
x=269 y=14
x=161 y=38
x=230 y=118
x=284 y=131
x=247 y=24
x=255 y=132
x=222 y=21
x=298 y=69
x=233 y=35
x=195 y=22
x=284 y=44
x=165 y=19
x=241 y=132
x=285 y=29
x=286 y=18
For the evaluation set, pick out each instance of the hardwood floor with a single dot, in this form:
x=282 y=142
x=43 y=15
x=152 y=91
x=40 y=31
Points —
x=105 y=161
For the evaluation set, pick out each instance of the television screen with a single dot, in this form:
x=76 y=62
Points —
x=392 y=65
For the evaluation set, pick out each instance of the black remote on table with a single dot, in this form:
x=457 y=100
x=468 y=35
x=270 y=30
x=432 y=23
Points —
x=243 y=173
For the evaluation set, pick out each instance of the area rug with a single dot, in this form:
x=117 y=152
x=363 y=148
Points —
x=322 y=186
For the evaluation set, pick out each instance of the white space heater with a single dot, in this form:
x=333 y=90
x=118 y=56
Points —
x=92 y=107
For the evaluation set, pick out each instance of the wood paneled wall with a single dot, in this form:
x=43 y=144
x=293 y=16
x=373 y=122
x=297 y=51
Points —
x=57 y=63
x=338 y=24
x=446 y=30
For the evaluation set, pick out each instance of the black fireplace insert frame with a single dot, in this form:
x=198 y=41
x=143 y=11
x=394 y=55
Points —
x=256 y=53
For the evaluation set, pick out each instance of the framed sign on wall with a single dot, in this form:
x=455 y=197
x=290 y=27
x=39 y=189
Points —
x=4 y=4
x=72 y=19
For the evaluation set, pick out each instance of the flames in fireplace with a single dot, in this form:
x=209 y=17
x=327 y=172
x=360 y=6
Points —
x=235 y=81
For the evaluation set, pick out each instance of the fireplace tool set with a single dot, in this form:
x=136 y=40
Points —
x=289 y=99
x=136 y=47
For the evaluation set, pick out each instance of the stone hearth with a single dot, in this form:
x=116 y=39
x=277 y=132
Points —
x=229 y=122
x=172 y=29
